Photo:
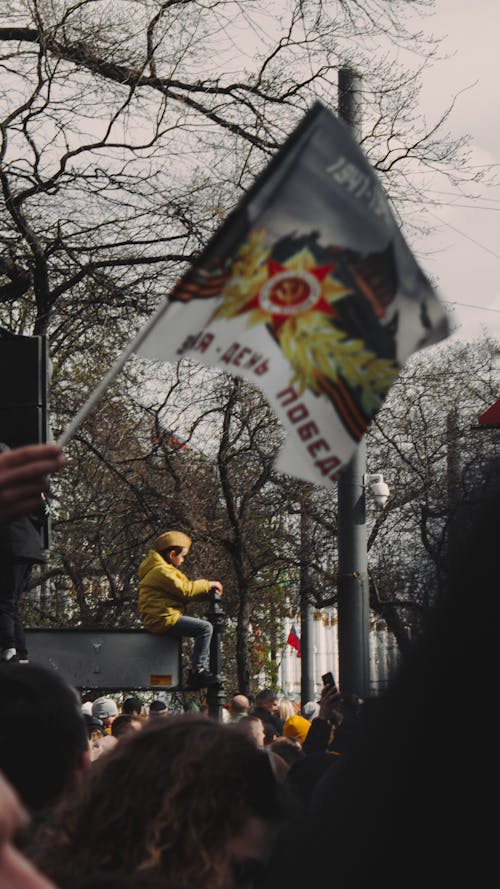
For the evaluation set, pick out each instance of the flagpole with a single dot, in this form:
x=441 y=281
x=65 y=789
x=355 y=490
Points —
x=99 y=391
x=353 y=599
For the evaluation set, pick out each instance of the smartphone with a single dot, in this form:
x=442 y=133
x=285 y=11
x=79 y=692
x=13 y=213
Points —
x=328 y=679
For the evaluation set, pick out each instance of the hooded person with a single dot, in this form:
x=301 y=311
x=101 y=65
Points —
x=296 y=728
x=164 y=594
x=105 y=709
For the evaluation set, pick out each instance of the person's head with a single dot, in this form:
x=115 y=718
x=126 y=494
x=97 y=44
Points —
x=16 y=872
x=173 y=546
x=239 y=706
x=251 y=727
x=187 y=796
x=158 y=708
x=126 y=723
x=43 y=736
x=266 y=699
x=133 y=706
x=296 y=728
x=105 y=709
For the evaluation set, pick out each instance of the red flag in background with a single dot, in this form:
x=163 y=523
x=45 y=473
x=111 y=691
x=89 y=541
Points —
x=294 y=640
x=491 y=417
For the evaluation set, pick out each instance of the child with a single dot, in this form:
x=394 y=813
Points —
x=164 y=592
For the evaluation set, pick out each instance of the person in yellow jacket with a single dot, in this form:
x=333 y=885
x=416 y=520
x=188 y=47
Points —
x=164 y=592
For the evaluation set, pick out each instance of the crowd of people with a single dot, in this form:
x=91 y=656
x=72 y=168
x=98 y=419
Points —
x=115 y=787
x=398 y=789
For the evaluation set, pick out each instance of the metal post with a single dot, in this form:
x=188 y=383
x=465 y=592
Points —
x=215 y=692
x=307 y=683
x=353 y=601
x=307 y=651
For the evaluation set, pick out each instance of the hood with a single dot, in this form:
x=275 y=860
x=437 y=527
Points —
x=152 y=560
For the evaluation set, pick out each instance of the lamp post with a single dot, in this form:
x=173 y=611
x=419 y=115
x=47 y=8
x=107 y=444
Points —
x=353 y=604
x=215 y=692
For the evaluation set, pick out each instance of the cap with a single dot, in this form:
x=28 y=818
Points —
x=104 y=708
x=310 y=709
x=172 y=538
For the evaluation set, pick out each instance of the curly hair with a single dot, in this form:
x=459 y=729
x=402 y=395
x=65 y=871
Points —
x=169 y=798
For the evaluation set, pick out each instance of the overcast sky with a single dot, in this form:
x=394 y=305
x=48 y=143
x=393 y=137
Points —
x=465 y=257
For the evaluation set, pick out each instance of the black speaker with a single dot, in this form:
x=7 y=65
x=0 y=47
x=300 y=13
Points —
x=24 y=412
x=22 y=425
x=23 y=389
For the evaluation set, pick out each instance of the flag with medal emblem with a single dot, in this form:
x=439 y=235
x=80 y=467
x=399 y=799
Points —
x=309 y=291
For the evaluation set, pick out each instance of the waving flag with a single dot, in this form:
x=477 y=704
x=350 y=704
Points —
x=294 y=640
x=308 y=291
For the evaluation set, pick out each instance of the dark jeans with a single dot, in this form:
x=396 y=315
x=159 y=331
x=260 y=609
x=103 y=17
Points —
x=14 y=575
x=201 y=631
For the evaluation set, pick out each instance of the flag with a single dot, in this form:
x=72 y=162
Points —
x=294 y=640
x=491 y=417
x=308 y=291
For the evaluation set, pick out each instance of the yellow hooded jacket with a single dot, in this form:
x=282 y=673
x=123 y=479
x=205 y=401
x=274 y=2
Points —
x=164 y=592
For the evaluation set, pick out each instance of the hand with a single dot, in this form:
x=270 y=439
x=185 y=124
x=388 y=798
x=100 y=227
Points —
x=23 y=478
x=330 y=697
x=216 y=585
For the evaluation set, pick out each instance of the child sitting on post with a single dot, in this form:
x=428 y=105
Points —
x=164 y=592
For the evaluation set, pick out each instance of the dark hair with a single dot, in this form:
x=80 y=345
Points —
x=132 y=705
x=42 y=732
x=174 y=794
x=171 y=549
x=265 y=694
x=157 y=706
x=122 y=725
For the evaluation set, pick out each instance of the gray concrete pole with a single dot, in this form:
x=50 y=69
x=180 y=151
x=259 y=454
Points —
x=306 y=626
x=306 y=605
x=353 y=598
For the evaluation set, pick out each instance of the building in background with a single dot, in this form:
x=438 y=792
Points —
x=384 y=654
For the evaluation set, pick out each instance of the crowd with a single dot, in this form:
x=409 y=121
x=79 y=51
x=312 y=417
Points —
x=116 y=788
x=398 y=789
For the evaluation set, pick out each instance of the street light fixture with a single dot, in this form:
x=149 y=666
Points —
x=378 y=488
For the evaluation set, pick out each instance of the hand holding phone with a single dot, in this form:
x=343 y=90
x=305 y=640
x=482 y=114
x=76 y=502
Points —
x=328 y=679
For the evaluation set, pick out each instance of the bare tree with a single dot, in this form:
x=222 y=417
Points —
x=431 y=451
x=129 y=128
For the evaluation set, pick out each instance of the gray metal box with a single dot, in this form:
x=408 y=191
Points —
x=111 y=659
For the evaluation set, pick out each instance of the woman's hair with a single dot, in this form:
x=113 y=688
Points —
x=285 y=709
x=168 y=798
